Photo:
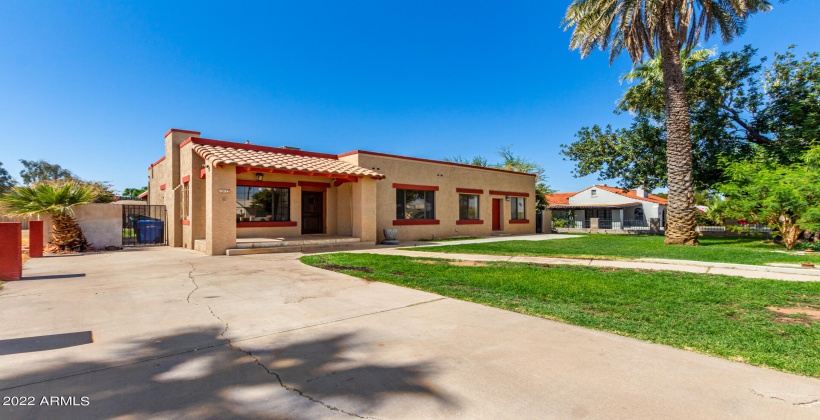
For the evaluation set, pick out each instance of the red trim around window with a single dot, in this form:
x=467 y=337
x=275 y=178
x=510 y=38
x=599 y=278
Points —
x=519 y=221
x=415 y=187
x=186 y=222
x=469 y=191
x=243 y=183
x=510 y=193
x=413 y=222
x=186 y=179
x=314 y=184
x=162 y=187
x=469 y=222
x=202 y=173
x=264 y=224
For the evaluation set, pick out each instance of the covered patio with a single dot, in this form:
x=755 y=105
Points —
x=601 y=216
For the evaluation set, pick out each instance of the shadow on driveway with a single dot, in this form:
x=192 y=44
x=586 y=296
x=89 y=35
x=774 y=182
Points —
x=222 y=380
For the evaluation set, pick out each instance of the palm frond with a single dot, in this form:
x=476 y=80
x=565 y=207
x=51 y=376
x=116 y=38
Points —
x=53 y=198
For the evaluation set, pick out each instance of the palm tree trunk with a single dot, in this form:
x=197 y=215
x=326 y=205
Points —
x=67 y=233
x=681 y=223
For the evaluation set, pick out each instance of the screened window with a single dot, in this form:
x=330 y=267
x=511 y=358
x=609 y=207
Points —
x=517 y=208
x=414 y=204
x=604 y=214
x=468 y=207
x=262 y=204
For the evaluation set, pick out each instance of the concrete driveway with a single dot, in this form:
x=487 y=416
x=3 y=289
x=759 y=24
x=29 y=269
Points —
x=170 y=333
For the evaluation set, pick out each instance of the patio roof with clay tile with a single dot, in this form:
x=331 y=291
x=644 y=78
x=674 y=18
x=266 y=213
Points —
x=250 y=158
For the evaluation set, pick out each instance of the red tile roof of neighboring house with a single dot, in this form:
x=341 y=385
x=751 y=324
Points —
x=593 y=206
x=560 y=198
x=563 y=197
x=632 y=194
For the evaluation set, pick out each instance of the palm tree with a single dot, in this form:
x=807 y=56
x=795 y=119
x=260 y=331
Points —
x=56 y=199
x=641 y=27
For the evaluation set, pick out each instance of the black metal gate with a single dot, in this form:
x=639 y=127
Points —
x=539 y=222
x=144 y=225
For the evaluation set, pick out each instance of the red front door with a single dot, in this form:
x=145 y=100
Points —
x=496 y=214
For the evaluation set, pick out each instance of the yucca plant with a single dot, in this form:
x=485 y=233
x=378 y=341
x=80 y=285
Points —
x=56 y=199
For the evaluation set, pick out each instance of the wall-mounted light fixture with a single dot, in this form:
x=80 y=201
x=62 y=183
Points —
x=507 y=198
x=258 y=176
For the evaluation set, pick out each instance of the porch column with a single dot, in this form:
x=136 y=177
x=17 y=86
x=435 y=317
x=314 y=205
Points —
x=220 y=210
x=363 y=216
x=621 y=213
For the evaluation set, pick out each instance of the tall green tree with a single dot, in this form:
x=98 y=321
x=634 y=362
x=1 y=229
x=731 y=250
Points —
x=57 y=198
x=512 y=162
x=40 y=170
x=641 y=27
x=133 y=193
x=6 y=181
x=738 y=105
x=785 y=197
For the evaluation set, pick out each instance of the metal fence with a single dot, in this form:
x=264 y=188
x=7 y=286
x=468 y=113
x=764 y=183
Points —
x=144 y=225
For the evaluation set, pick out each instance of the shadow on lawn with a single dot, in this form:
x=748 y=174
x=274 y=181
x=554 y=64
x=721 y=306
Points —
x=168 y=377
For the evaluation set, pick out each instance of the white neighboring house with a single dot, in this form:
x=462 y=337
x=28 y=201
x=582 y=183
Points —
x=615 y=208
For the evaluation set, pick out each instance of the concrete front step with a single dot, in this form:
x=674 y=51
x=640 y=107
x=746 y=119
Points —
x=306 y=248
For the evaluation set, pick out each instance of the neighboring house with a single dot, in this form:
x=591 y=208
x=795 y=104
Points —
x=615 y=208
x=218 y=192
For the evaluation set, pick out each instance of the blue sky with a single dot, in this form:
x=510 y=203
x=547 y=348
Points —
x=93 y=86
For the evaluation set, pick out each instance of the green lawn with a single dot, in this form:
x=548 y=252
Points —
x=718 y=315
x=716 y=249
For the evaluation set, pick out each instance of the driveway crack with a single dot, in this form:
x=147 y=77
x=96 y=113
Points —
x=258 y=362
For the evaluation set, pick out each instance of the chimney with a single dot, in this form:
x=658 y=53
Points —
x=641 y=192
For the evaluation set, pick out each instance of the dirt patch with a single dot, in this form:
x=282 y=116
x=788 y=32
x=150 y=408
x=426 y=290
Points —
x=795 y=314
x=430 y=262
x=468 y=263
x=399 y=273
x=336 y=267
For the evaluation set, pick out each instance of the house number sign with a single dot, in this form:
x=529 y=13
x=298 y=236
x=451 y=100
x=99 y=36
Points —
x=224 y=190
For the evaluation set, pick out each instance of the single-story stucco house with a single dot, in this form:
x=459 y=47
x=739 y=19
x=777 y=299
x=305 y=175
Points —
x=219 y=193
x=614 y=208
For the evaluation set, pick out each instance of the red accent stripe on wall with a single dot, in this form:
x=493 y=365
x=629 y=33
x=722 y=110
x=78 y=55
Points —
x=264 y=224
x=186 y=179
x=314 y=184
x=415 y=187
x=156 y=163
x=469 y=222
x=243 y=183
x=519 y=221
x=202 y=173
x=413 y=222
x=510 y=193
x=469 y=191
x=162 y=187
x=186 y=222
x=440 y=162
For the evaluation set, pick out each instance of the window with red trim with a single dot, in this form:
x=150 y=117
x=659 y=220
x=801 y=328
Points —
x=262 y=204
x=415 y=204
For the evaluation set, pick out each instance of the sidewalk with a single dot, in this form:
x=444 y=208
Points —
x=741 y=270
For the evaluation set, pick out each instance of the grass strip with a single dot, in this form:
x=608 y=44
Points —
x=752 y=251
x=717 y=315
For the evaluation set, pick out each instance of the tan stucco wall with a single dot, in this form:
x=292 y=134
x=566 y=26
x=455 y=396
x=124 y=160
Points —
x=447 y=178
x=101 y=224
x=220 y=210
